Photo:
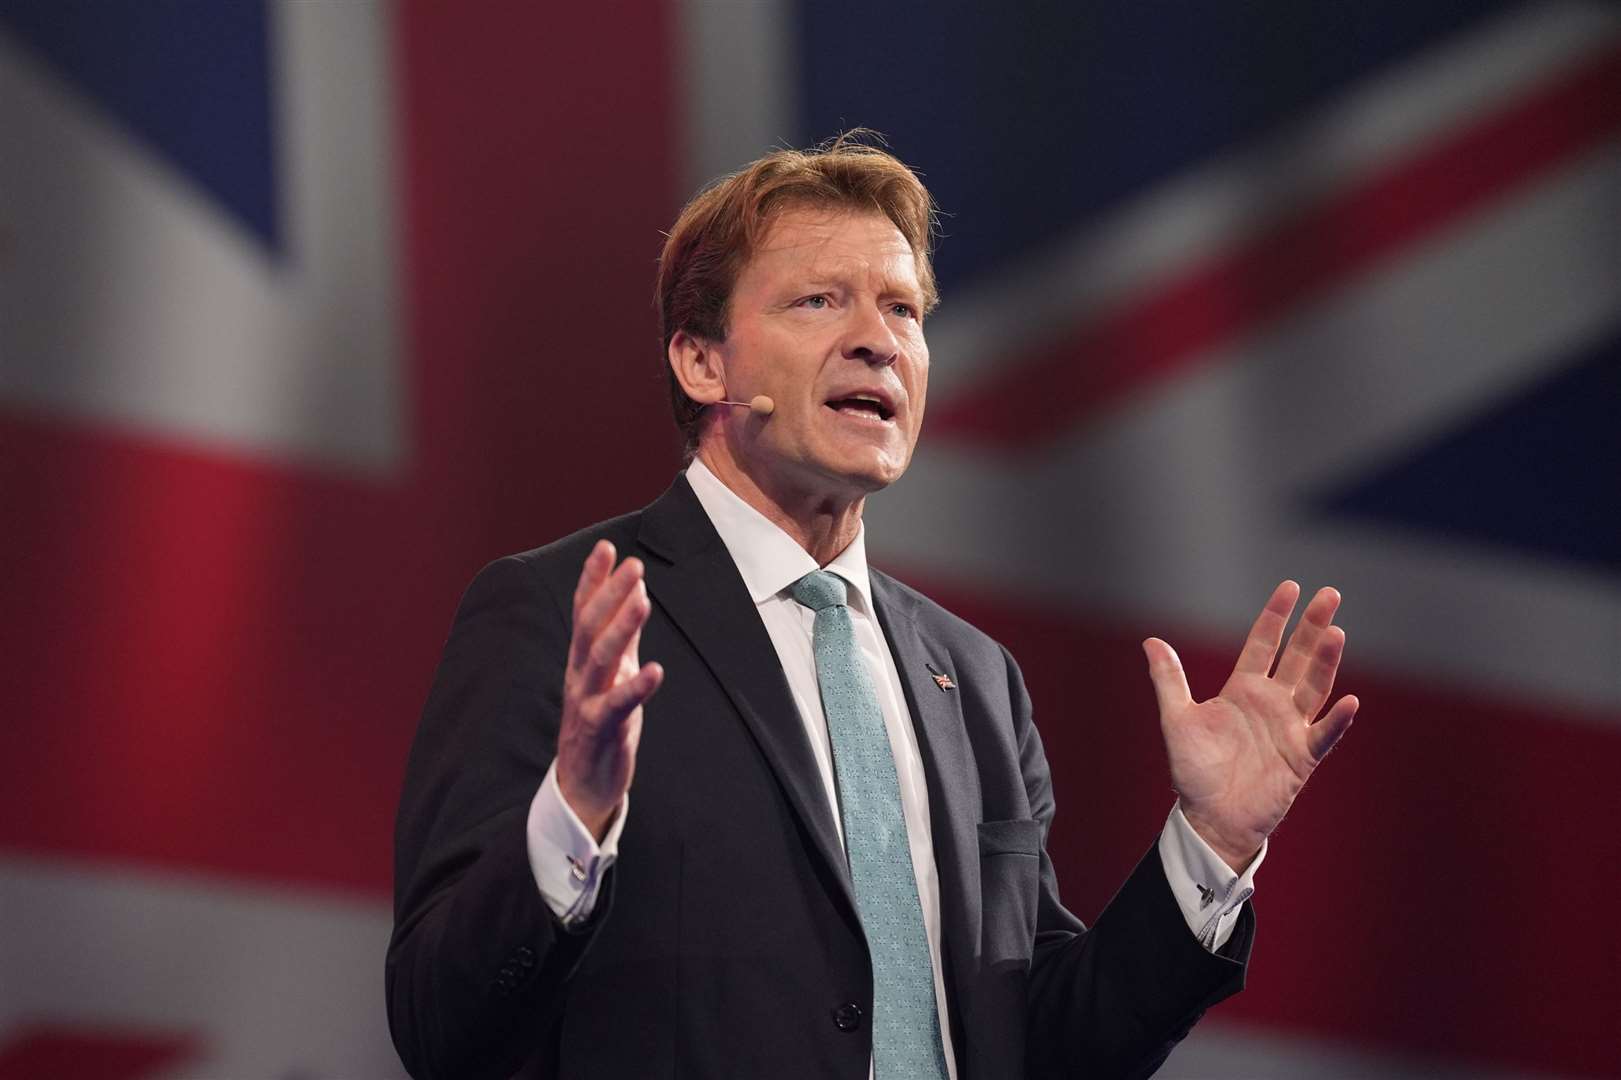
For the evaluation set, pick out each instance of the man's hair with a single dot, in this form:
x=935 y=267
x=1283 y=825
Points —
x=720 y=229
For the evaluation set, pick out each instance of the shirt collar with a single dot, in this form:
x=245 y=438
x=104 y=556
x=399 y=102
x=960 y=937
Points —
x=768 y=558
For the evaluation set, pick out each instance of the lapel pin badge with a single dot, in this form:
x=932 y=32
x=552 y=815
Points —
x=941 y=679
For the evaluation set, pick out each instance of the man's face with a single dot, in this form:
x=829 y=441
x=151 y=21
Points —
x=826 y=318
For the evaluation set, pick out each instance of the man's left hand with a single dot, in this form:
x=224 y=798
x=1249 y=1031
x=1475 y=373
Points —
x=1239 y=759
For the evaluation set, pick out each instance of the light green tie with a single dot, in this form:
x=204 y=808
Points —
x=905 y=1020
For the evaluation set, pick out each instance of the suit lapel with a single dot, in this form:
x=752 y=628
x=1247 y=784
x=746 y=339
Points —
x=953 y=779
x=692 y=577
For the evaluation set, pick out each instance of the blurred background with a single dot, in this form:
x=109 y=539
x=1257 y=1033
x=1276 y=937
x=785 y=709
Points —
x=309 y=310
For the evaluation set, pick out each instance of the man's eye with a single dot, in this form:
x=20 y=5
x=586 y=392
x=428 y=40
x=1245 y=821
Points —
x=817 y=302
x=905 y=311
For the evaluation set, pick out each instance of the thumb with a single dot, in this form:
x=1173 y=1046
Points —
x=1165 y=669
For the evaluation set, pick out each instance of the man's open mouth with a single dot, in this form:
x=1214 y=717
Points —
x=864 y=405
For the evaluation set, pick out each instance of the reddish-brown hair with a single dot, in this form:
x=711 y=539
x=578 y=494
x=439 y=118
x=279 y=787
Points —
x=719 y=230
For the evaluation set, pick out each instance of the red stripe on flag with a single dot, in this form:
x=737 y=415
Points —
x=1026 y=401
x=1442 y=887
x=62 y=1053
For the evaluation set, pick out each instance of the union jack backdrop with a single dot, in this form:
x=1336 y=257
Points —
x=308 y=310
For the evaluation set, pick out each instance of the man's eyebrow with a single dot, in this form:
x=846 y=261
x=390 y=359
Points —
x=910 y=291
x=804 y=286
x=824 y=276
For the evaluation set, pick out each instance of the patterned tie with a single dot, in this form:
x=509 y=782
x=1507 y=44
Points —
x=905 y=1022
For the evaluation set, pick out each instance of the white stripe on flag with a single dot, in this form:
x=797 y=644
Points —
x=128 y=298
x=1226 y=1050
x=273 y=982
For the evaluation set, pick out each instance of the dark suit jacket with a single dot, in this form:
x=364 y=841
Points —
x=725 y=942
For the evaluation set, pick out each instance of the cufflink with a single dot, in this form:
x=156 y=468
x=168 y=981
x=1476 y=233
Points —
x=576 y=869
x=1205 y=896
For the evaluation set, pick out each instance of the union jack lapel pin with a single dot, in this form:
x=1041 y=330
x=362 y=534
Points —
x=941 y=679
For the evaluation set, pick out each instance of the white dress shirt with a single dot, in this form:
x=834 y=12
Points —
x=568 y=864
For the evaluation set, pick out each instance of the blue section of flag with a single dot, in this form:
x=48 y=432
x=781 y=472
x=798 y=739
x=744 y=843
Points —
x=191 y=80
x=1096 y=102
x=1538 y=474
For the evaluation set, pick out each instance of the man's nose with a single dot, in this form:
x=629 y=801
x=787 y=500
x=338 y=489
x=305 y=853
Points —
x=870 y=339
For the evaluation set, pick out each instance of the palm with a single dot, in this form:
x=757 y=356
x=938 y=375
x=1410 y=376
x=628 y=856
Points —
x=1239 y=759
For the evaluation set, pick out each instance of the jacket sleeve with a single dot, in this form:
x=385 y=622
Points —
x=477 y=963
x=1112 y=1000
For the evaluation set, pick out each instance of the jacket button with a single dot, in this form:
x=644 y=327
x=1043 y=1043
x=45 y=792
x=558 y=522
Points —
x=525 y=957
x=847 y=1017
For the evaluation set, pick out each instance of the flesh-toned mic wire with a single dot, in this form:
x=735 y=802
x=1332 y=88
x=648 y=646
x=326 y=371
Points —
x=759 y=405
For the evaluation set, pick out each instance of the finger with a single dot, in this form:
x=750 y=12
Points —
x=592 y=574
x=1262 y=644
x=1324 y=735
x=608 y=648
x=630 y=658
x=1318 y=682
x=1303 y=642
x=627 y=696
x=601 y=607
x=1165 y=670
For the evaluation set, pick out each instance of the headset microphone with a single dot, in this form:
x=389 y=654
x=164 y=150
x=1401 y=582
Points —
x=759 y=405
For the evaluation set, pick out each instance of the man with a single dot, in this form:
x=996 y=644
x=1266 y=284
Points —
x=834 y=863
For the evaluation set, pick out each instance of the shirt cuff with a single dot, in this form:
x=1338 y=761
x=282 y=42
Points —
x=1206 y=889
x=566 y=860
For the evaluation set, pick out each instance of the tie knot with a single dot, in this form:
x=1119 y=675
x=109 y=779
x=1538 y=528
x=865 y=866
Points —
x=819 y=589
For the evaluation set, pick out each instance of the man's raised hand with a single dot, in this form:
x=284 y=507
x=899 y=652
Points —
x=604 y=687
x=1239 y=759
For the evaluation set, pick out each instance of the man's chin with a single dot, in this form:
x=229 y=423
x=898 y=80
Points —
x=866 y=477
x=843 y=474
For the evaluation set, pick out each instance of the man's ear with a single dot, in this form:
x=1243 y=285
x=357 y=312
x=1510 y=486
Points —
x=698 y=367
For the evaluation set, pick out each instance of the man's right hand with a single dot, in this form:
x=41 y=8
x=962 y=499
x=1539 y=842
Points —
x=604 y=687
